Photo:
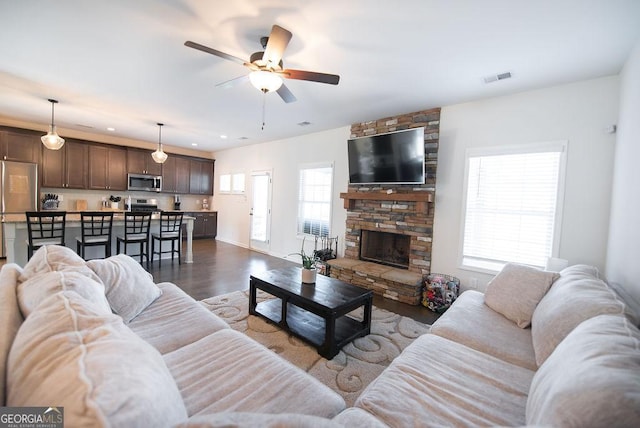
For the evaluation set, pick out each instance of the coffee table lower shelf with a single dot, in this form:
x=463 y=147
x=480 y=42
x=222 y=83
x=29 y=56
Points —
x=311 y=327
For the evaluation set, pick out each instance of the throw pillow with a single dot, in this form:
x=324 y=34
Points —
x=10 y=318
x=516 y=291
x=69 y=353
x=51 y=258
x=591 y=379
x=573 y=299
x=129 y=288
x=37 y=288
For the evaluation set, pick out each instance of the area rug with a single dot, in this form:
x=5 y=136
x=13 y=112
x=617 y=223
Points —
x=349 y=372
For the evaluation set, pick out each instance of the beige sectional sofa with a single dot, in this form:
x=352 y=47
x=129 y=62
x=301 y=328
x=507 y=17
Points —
x=115 y=349
x=536 y=349
x=163 y=360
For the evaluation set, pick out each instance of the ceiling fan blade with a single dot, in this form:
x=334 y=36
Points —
x=331 y=79
x=278 y=41
x=233 y=82
x=215 y=52
x=286 y=94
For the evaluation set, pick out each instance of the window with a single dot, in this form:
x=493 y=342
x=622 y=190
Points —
x=232 y=183
x=225 y=183
x=314 y=199
x=512 y=211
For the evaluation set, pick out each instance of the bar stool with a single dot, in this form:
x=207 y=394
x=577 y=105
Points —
x=170 y=230
x=44 y=228
x=136 y=231
x=96 y=229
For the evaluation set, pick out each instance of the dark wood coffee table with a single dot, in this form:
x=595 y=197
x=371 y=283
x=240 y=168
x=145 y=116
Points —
x=312 y=312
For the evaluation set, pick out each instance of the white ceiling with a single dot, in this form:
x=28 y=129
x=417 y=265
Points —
x=123 y=63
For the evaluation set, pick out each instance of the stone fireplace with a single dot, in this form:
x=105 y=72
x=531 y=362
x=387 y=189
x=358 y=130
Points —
x=386 y=248
x=403 y=210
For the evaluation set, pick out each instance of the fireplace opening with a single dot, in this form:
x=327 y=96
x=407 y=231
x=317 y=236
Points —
x=386 y=248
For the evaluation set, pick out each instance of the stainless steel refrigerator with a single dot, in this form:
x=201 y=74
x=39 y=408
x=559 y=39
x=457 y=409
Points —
x=18 y=190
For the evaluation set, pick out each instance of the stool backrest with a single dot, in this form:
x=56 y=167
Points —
x=95 y=224
x=137 y=223
x=46 y=226
x=170 y=222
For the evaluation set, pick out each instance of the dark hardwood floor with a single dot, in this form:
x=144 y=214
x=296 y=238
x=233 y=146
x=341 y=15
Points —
x=220 y=268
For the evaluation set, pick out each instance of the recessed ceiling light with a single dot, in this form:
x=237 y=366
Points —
x=194 y=144
x=224 y=137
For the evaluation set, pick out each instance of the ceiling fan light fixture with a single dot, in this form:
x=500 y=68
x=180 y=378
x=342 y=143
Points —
x=265 y=81
x=159 y=156
x=52 y=140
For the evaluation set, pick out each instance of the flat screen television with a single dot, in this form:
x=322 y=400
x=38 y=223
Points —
x=392 y=158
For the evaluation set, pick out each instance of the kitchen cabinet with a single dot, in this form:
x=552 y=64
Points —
x=22 y=146
x=201 y=177
x=205 y=224
x=65 y=168
x=140 y=162
x=107 y=167
x=175 y=175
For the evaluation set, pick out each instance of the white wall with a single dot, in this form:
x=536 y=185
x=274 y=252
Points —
x=623 y=258
x=283 y=158
x=576 y=112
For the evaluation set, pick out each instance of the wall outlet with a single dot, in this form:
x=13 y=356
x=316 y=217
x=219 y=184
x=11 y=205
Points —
x=60 y=198
x=473 y=283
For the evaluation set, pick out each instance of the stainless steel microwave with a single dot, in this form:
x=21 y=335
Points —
x=148 y=183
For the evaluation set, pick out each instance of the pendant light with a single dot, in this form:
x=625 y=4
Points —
x=52 y=140
x=159 y=156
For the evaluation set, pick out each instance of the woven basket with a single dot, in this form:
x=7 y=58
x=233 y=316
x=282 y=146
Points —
x=440 y=291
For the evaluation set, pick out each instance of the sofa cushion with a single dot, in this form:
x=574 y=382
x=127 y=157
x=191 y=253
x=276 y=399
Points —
x=252 y=420
x=591 y=379
x=10 y=318
x=51 y=258
x=214 y=374
x=129 y=288
x=438 y=382
x=516 y=291
x=573 y=298
x=357 y=417
x=68 y=353
x=472 y=323
x=37 y=288
x=175 y=320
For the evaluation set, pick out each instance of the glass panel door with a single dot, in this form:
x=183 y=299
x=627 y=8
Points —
x=260 y=210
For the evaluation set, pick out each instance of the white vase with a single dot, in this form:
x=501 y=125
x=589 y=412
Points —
x=308 y=276
x=114 y=205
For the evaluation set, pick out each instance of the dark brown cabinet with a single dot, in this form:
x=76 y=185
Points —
x=205 y=224
x=175 y=175
x=20 y=146
x=107 y=167
x=201 y=177
x=65 y=168
x=140 y=162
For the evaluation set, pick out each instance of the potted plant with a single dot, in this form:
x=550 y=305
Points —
x=308 y=266
x=115 y=201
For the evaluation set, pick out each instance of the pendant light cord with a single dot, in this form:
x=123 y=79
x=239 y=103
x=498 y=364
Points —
x=264 y=103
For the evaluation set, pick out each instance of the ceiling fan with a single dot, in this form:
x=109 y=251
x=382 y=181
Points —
x=266 y=66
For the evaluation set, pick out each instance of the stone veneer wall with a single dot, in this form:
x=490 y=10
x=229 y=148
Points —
x=398 y=217
x=395 y=216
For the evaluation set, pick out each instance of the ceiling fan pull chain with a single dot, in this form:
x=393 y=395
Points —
x=264 y=102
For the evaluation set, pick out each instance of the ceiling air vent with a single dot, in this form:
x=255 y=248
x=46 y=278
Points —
x=496 y=77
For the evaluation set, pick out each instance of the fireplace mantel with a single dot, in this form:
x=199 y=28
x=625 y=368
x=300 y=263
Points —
x=421 y=198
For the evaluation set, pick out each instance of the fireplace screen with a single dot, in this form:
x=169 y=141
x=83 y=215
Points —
x=387 y=248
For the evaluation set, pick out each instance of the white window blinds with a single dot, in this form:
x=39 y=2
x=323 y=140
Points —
x=511 y=206
x=314 y=200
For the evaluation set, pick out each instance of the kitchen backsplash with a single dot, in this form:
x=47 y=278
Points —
x=68 y=199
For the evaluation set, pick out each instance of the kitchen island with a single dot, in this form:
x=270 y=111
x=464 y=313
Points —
x=15 y=235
